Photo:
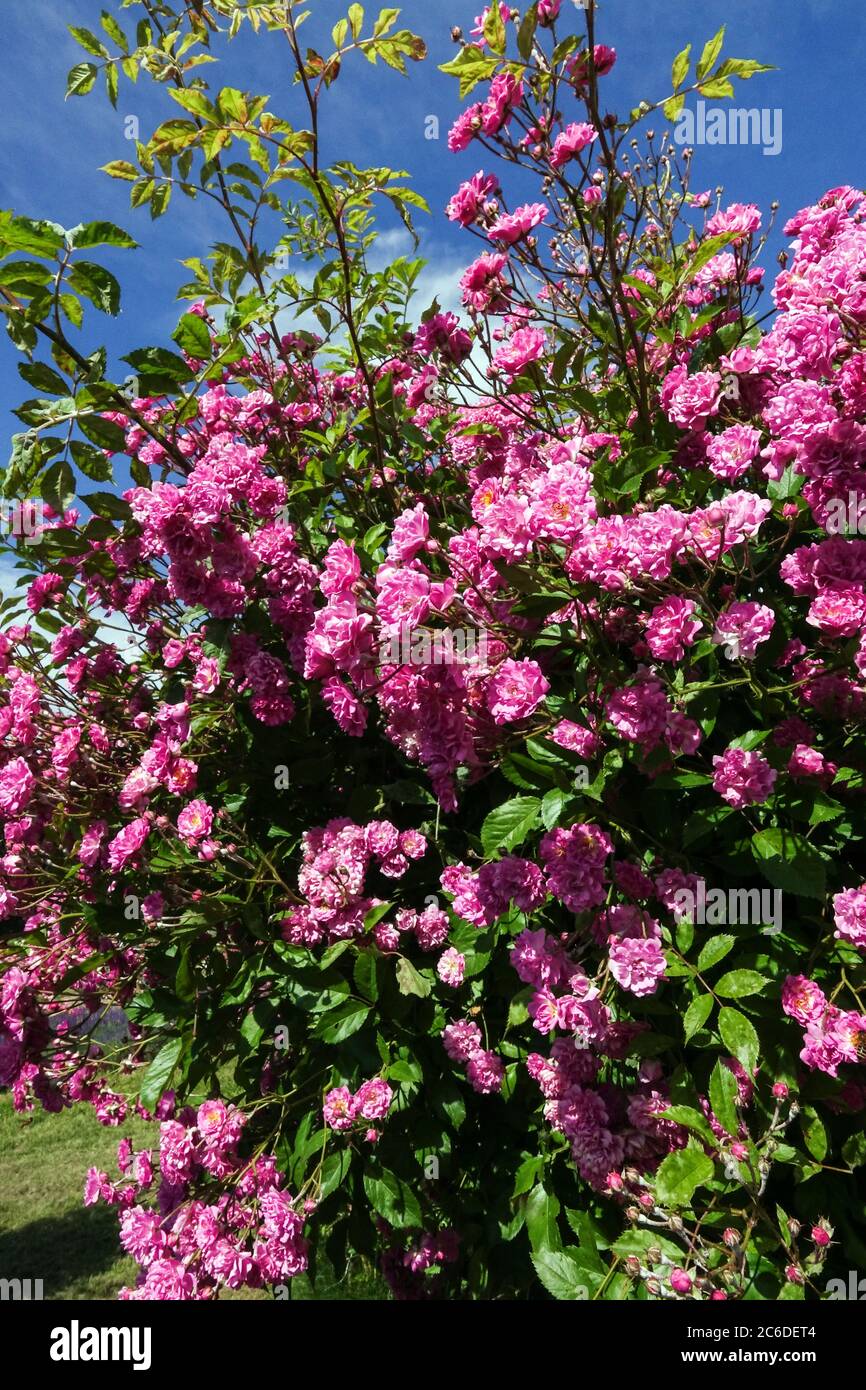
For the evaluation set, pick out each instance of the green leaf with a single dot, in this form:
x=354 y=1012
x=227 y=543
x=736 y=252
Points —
x=365 y=975
x=92 y=462
x=542 y=1209
x=89 y=42
x=334 y=1170
x=97 y=284
x=339 y=948
x=711 y=51
x=447 y=1098
x=195 y=102
x=162 y=371
x=36 y=238
x=232 y=105
x=680 y=1173
x=717 y=87
x=81 y=79
x=58 y=486
x=509 y=825
x=184 y=981
x=253 y=1027
x=409 y=981
x=375 y=915
x=193 y=337
x=814 y=1133
x=43 y=412
x=739 y=1036
x=494 y=28
x=526 y=1175
x=471 y=67
x=714 y=950
x=392 y=1198
x=113 y=30
x=120 y=169
x=723 y=1094
x=743 y=68
x=552 y=805
x=338 y=1024
x=356 y=19
x=681 y=66
x=565 y=1274
x=790 y=863
x=737 y=984
x=690 y=1119
x=102 y=233
x=386 y=20
x=107 y=505
x=640 y=1242
x=158 y=1075
x=697 y=1014
x=854 y=1150
x=526 y=32
x=103 y=433
x=43 y=378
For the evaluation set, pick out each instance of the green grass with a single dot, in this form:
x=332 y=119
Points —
x=47 y=1233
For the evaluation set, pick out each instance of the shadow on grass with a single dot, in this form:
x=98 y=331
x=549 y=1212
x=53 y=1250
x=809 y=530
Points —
x=63 y=1251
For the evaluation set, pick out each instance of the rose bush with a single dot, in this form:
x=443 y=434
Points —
x=412 y=734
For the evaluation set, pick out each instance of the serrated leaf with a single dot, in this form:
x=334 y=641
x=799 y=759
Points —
x=739 y=1036
x=90 y=234
x=334 y=1170
x=714 y=950
x=89 y=42
x=690 y=1119
x=737 y=984
x=723 y=1094
x=121 y=169
x=552 y=807
x=195 y=102
x=58 y=486
x=565 y=1273
x=336 y=1025
x=158 y=1075
x=97 y=284
x=113 y=30
x=680 y=1174
x=526 y=32
x=542 y=1210
x=681 y=66
x=790 y=863
x=365 y=975
x=697 y=1014
x=494 y=28
x=193 y=337
x=43 y=378
x=711 y=50
x=508 y=825
x=409 y=981
x=81 y=79
x=107 y=505
x=392 y=1198
x=91 y=461
x=744 y=68
x=814 y=1134
x=717 y=87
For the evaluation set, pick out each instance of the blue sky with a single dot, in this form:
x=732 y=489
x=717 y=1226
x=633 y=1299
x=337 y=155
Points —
x=51 y=149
